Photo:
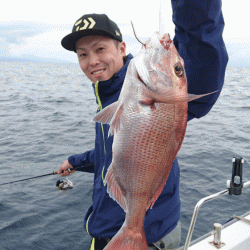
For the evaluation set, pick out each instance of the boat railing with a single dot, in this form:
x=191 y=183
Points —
x=234 y=187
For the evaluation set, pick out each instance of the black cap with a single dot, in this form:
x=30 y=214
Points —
x=91 y=24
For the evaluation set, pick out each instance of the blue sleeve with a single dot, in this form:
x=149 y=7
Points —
x=81 y=160
x=198 y=38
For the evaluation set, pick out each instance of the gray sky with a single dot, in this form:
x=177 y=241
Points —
x=34 y=29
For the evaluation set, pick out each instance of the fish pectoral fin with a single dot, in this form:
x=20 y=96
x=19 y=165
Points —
x=173 y=97
x=113 y=189
x=192 y=97
x=170 y=96
x=106 y=115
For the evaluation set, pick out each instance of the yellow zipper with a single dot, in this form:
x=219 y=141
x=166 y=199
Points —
x=87 y=224
x=100 y=108
x=92 y=244
x=104 y=146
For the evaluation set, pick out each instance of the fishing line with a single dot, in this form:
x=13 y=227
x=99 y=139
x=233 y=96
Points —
x=136 y=35
x=40 y=176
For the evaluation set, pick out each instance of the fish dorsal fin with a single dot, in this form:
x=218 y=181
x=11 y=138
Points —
x=110 y=115
x=105 y=115
x=115 y=123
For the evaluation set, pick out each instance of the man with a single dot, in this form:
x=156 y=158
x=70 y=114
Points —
x=102 y=56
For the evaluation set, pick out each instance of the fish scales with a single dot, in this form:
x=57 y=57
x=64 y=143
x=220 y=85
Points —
x=148 y=123
x=147 y=145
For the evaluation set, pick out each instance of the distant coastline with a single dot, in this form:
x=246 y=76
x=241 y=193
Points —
x=53 y=60
x=34 y=60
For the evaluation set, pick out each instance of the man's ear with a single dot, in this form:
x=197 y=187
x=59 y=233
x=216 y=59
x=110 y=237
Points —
x=122 y=48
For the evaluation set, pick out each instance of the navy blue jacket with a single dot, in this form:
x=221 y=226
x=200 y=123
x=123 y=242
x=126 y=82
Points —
x=199 y=26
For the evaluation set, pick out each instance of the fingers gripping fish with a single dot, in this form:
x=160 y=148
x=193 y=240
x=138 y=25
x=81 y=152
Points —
x=148 y=123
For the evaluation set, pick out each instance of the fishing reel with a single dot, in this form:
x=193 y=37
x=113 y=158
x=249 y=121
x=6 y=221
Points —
x=64 y=185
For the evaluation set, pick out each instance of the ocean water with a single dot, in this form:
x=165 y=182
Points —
x=46 y=113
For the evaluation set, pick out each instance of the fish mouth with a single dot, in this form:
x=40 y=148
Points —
x=166 y=41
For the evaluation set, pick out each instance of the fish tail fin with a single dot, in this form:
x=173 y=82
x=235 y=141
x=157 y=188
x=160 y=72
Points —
x=128 y=239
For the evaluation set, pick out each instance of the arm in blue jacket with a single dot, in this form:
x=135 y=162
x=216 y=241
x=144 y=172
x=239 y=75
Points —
x=81 y=160
x=198 y=38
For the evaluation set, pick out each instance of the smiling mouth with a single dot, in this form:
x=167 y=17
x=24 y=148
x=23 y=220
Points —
x=97 y=72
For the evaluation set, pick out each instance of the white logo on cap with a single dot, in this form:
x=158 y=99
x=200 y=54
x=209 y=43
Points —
x=117 y=33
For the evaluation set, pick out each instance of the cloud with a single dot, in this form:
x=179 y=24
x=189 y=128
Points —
x=15 y=33
x=39 y=42
x=27 y=40
x=239 y=51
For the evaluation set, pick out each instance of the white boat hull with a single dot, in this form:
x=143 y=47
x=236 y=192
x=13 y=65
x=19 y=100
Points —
x=235 y=235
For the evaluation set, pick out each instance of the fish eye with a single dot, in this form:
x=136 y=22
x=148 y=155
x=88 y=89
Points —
x=179 y=71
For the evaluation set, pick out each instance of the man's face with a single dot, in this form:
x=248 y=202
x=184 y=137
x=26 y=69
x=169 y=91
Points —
x=99 y=57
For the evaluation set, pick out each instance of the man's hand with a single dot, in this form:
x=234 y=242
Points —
x=63 y=170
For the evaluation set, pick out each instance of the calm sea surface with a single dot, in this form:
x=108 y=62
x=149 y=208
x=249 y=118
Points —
x=46 y=113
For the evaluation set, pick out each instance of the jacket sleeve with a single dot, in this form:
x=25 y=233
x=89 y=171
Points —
x=85 y=161
x=198 y=38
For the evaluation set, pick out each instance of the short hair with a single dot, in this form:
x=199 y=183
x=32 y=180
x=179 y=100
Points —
x=116 y=43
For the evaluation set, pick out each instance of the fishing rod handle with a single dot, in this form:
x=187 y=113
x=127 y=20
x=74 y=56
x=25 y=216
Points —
x=77 y=168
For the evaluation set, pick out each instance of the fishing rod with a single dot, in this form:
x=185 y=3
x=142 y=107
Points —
x=40 y=176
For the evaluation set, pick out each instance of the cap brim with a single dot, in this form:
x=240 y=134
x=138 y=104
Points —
x=69 y=41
